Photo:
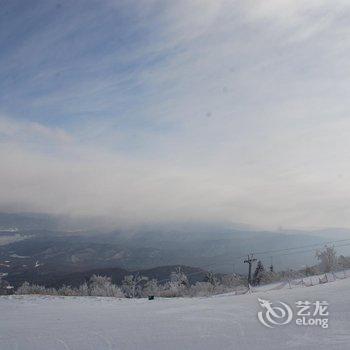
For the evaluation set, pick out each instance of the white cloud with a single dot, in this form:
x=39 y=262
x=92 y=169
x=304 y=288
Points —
x=291 y=180
x=243 y=118
x=24 y=131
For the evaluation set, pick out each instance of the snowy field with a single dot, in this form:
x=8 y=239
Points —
x=220 y=322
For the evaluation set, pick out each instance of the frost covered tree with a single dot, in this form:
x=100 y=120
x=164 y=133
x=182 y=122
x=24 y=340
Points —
x=103 y=286
x=5 y=287
x=177 y=286
x=211 y=278
x=68 y=291
x=269 y=277
x=151 y=288
x=258 y=274
x=27 y=288
x=204 y=289
x=83 y=289
x=232 y=281
x=327 y=258
x=344 y=262
x=179 y=277
x=132 y=285
x=97 y=286
x=173 y=289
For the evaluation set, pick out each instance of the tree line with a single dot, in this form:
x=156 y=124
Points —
x=178 y=285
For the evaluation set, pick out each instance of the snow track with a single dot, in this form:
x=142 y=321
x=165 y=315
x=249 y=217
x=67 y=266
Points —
x=223 y=322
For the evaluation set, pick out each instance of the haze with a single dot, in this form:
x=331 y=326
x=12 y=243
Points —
x=153 y=110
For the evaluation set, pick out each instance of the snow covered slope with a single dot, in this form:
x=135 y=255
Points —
x=221 y=322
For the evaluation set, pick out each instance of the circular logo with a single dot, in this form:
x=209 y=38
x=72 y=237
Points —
x=274 y=315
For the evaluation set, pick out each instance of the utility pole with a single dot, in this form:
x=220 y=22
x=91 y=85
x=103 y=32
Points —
x=249 y=261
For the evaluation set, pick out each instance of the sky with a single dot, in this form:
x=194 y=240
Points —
x=158 y=110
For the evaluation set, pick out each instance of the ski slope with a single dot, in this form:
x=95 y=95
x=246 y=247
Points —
x=220 y=322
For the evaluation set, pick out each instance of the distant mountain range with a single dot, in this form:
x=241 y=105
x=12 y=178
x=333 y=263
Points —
x=45 y=248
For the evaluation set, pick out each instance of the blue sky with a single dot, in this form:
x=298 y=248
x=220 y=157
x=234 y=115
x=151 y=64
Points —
x=66 y=63
x=190 y=110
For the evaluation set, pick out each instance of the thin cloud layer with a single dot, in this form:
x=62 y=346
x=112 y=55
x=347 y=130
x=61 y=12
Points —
x=204 y=110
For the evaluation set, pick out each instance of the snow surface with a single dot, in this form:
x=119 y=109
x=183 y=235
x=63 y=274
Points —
x=220 y=322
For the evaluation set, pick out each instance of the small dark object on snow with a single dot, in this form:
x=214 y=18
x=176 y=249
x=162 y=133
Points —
x=151 y=297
